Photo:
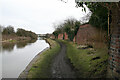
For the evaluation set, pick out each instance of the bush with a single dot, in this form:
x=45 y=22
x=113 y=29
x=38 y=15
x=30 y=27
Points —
x=8 y=30
x=24 y=33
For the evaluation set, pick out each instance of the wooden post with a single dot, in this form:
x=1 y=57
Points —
x=108 y=24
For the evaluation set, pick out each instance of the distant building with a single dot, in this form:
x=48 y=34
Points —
x=65 y=36
x=60 y=36
x=41 y=35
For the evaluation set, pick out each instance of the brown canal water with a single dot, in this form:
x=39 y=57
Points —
x=16 y=57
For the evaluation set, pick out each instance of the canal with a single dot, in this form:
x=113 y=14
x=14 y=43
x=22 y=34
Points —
x=16 y=57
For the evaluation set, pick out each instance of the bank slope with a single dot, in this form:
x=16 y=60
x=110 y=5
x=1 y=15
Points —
x=41 y=69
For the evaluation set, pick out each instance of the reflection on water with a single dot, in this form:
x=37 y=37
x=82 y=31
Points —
x=23 y=44
x=10 y=46
x=15 y=57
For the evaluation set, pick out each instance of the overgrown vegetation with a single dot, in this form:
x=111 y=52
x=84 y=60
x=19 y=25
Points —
x=70 y=26
x=25 y=33
x=8 y=30
x=9 y=34
x=99 y=17
x=104 y=13
x=88 y=62
x=41 y=69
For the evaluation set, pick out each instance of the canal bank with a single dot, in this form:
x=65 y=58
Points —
x=27 y=69
x=42 y=67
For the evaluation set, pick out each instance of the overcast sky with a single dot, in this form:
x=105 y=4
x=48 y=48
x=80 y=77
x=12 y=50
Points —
x=37 y=15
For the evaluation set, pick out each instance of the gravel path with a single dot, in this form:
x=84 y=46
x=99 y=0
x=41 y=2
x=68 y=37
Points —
x=60 y=69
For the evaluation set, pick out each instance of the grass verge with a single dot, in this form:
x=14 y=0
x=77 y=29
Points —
x=88 y=63
x=41 y=69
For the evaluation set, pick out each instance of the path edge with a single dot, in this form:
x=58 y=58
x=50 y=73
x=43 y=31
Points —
x=25 y=72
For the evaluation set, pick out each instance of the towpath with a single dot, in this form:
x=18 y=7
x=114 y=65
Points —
x=61 y=69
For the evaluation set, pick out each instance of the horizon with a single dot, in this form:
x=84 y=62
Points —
x=38 y=16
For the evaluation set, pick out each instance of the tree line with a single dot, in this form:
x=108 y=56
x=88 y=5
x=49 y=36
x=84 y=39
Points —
x=9 y=30
x=98 y=17
x=70 y=26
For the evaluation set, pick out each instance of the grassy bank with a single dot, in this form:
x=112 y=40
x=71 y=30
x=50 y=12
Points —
x=41 y=69
x=87 y=62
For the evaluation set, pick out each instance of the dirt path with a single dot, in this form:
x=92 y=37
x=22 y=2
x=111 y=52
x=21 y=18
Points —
x=60 y=69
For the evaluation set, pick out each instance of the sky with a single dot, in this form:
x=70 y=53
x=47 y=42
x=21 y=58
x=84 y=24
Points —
x=37 y=15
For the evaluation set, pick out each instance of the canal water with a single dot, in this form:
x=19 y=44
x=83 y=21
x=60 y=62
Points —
x=16 y=57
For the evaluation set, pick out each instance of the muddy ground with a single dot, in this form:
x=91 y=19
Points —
x=60 y=67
